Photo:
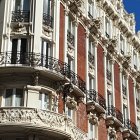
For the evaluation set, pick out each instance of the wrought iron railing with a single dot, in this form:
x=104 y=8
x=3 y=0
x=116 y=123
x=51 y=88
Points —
x=109 y=75
x=90 y=15
x=36 y=59
x=47 y=20
x=124 y=90
x=112 y=111
x=70 y=37
x=130 y=125
x=91 y=58
x=20 y=16
x=92 y=95
x=138 y=103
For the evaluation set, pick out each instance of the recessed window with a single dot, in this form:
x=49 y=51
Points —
x=14 y=97
x=92 y=131
x=122 y=45
x=107 y=28
x=90 y=10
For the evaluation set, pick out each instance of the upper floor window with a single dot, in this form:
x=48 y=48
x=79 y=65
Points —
x=137 y=92
x=71 y=31
x=21 y=5
x=91 y=53
x=109 y=98
x=124 y=84
x=109 y=69
x=91 y=83
x=122 y=45
x=92 y=131
x=14 y=97
x=47 y=13
x=125 y=112
x=90 y=9
x=71 y=113
x=107 y=28
x=135 y=60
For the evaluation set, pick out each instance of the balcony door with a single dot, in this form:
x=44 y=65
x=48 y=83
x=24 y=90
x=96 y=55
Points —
x=21 y=5
x=46 y=52
x=18 y=51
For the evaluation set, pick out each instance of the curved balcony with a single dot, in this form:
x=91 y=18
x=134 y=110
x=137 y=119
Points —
x=20 y=16
x=114 y=117
x=60 y=70
x=50 y=123
x=95 y=101
x=130 y=129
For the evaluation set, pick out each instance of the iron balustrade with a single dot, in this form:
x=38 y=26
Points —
x=113 y=111
x=107 y=35
x=70 y=37
x=130 y=125
x=91 y=58
x=109 y=75
x=92 y=95
x=124 y=89
x=90 y=15
x=138 y=103
x=36 y=59
x=47 y=20
x=20 y=16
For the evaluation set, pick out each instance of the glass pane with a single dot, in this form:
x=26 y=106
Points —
x=69 y=112
x=91 y=131
x=26 y=5
x=19 y=97
x=46 y=101
x=8 y=97
x=17 y=5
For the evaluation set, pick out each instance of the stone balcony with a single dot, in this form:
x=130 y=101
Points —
x=52 y=123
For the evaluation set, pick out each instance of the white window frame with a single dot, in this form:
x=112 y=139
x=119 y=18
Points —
x=91 y=7
x=107 y=27
x=92 y=83
x=92 y=134
x=13 y=97
x=122 y=45
x=71 y=25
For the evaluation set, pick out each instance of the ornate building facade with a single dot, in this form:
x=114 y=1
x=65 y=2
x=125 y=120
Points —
x=69 y=70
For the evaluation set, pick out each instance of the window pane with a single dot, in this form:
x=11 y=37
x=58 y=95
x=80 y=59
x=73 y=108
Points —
x=19 y=97
x=26 y=5
x=46 y=101
x=8 y=97
x=17 y=5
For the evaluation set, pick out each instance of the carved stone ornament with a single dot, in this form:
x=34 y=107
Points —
x=71 y=103
x=112 y=132
x=92 y=118
x=39 y=118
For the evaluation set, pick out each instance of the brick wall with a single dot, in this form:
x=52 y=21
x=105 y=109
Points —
x=118 y=104
x=62 y=33
x=100 y=70
x=131 y=100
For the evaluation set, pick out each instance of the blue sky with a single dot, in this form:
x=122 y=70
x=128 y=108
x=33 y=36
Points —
x=133 y=6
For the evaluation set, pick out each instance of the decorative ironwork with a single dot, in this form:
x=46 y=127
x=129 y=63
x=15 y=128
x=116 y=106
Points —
x=91 y=58
x=92 y=95
x=101 y=101
x=124 y=90
x=130 y=125
x=47 y=20
x=107 y=35
x=20 y=16
x=109 y=75
x=90 y=15
x=138 y=103
x=70 y=38
x=36 y=59
x=111 y=110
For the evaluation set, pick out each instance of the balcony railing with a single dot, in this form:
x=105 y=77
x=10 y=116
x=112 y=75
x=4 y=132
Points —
x=90 y=15
x=36 y=59
x=138 y=103
x=112 y=111
x=70 y=38
x=33 y=118
x=20 y=16
x=91 y=58
x=130 y=125
x=109 y=75
x=47 y=20
x=124 y=90
x=92 y=95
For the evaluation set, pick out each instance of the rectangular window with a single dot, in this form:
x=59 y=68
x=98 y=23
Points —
x=125 y=112
x=91 y=53
x=135 y=60
x=92 y=129
x=8 y=97
x=71 y=26
x=124 y=85
x=90 y=10
x=122 y=45
x=47 y=7
x=91 y=83
x=11 y=101
x=20 y=5
x=107 y=28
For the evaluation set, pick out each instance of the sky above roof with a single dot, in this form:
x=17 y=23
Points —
x=133 y=6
